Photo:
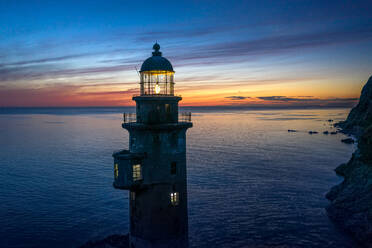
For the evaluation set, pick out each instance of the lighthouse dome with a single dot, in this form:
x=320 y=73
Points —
x=156 y=62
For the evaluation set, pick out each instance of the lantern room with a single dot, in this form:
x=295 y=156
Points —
x=157 y=75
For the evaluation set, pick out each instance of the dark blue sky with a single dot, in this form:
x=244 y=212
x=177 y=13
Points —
x=57 y=53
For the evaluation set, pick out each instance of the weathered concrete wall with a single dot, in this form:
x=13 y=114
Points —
x=157 y=109
x=161 y=149
x=154 y=220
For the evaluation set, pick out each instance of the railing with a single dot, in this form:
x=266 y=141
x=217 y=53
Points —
x=160 y=94
x=184 y=117
x=131 y=117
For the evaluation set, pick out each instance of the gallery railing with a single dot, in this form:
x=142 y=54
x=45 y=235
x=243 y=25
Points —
x=131 y=117
x=155 y=94
x=184 y=117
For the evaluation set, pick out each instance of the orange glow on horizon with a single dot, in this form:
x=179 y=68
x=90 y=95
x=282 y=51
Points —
x=193 y=94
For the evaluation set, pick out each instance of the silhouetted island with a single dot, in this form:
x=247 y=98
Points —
x=351 y=201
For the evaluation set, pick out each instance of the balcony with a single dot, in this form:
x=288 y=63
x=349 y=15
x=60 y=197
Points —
x=128 y=170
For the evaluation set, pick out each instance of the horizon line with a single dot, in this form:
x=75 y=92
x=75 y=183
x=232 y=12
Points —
x=195 y=106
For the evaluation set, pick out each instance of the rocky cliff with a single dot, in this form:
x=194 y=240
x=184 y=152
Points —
x=360 y=117
x=351 y=201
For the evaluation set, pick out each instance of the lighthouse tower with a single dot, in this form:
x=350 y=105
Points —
x=153 y=169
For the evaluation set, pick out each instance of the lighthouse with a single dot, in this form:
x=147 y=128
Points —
x=153 y=168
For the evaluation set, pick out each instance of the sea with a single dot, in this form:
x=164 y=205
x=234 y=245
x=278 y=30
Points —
x=251 y=183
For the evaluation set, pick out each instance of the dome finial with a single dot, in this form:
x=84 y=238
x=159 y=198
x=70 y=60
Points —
x=156 y=47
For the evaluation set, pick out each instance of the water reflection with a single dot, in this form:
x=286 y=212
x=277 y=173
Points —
x=250 y=183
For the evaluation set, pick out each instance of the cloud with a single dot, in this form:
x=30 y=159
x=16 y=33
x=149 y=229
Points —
x=286 y=99
x=237 y=98
x=213 y=52
x=110 y=93
x=88 y=66
x=151 y=36
x=304 y=99
x=277 y=44
x=307 y=101
x=47 y=60
x=33 y=72
x=64 y=95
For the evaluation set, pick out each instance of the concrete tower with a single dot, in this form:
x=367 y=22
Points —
x=154 y=167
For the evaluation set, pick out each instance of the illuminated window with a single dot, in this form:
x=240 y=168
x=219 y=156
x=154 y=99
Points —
x=173 y=168
x=137 y=172
x=174 y=198
x=116 y=171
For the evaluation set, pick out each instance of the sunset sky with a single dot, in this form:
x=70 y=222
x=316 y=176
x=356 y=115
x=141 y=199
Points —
x=251 y=53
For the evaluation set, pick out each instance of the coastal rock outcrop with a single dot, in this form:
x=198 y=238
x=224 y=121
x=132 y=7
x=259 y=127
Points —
x=113 y=241
x=360 y=117
x=351 y=201
x=348 y=141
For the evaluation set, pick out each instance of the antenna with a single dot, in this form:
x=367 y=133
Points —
x=137 y=71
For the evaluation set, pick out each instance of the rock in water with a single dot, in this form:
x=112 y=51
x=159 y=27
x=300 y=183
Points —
x=348 y=141
x=351 y=201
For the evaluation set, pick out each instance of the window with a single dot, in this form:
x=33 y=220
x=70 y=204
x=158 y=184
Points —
x=167 y=108
x=137 y=172
x=116 y=171
x=133 y=196
x=174 y=198
x=173 y=170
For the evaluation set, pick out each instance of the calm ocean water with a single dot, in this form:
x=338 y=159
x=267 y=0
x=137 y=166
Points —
x=250 y=182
